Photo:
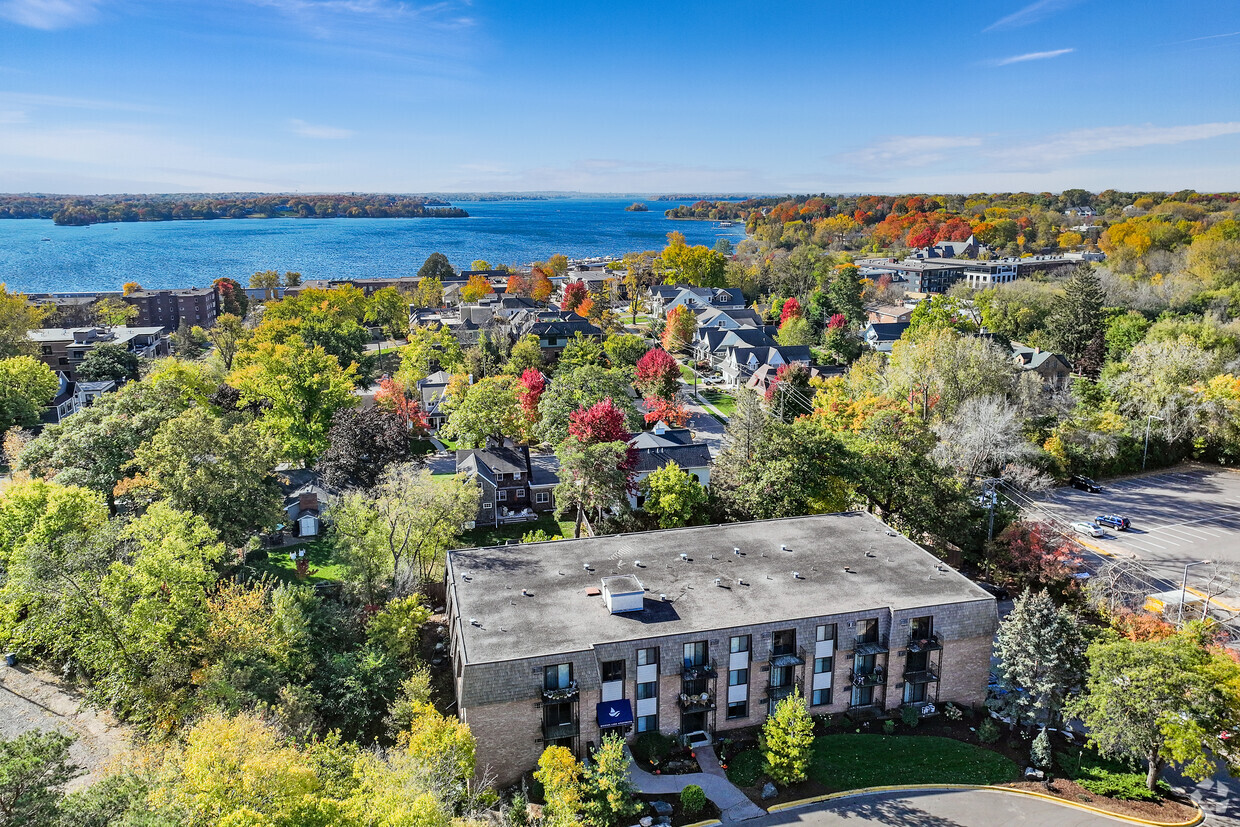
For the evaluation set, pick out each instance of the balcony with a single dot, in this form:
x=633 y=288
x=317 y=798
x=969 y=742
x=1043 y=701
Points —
x=870 y=646
x=788 y=657
x=700 y=672
x=697 y=702
x=868 y=677
x=924 y=643
x=778 y=693
x=927 y=675
x=564 y=693
x=554 y=732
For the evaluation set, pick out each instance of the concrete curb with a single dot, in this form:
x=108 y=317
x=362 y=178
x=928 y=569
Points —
x=1010 y=791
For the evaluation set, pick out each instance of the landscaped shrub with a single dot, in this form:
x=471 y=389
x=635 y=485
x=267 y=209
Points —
x=787 y=737
x=952 y=712
x=988 y=731
x=1108 y=777
x=745 y=768
x=693 y=799
x=909 y=716
x=889 y=727
x=652 y=746
x=518 y=811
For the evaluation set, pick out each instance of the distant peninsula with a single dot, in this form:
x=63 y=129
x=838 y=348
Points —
x=637 y=206
x=72 y=211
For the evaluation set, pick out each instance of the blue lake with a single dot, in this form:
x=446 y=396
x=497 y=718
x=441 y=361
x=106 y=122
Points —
x=186 y=253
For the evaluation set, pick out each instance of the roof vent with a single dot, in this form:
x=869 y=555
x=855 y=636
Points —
x=796 y=575
x=593 y=592
x=623 y=593
x=684 y=557
x=736 y=551
x=473 y=621
x=637 y=564
x=848 y=570
x=663 y=597
x=587 y=567
x=740 y=582
x=783 y=547
x=525 y=592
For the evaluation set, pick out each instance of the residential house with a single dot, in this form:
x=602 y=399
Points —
x=712 y=344
x=515 y=488
x=728 y=318
x=742 y=362
x=765 y=376
x=72 y=397
x=662 y=445
x=553 y=328
x=1055 y=369
x=305 y=497
x=882 y=335
x=430 y=392
x=889 y=313
x=700 y=632
x=664 y=297
x=63 y=348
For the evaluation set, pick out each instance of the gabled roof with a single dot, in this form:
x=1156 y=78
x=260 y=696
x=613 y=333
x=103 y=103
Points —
x=743 y=317
x=1031 y=358
x=505 y=458
x=696 y=455
x=544 y=470
x=885 y=331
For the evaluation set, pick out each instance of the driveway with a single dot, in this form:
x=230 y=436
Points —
x=935 y=808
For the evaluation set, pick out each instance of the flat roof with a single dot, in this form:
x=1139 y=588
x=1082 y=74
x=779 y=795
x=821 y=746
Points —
x=121 y=333
x=555 y=614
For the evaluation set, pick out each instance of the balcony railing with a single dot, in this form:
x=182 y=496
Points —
x=778 y=693
x=927 y=675
x=788 y=657
x=554 y=732
x=563 y=693
x=924 y=643
x=868 y=677
x=697 y=702
x=697 y=673
x=870 y=646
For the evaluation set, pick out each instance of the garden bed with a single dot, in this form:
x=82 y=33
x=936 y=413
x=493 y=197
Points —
x=1167 y=811
x=679 y=817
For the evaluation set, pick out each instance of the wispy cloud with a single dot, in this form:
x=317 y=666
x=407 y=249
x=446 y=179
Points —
x=1028 y=56
x=49 y=14
x=309 y=130
x=1067 y=145
x=12 y=116
x=63 y=102
x=1207 y=37
x=909 y=150
x=1031 y=13
x=330 y=19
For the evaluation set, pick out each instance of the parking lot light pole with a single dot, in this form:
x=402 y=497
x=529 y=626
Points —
x=1146 y=454
x=1184 y=585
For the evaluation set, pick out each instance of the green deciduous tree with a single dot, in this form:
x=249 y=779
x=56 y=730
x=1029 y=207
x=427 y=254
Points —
x=526 y=354
x=593 y=478
x=430 y=349
x=579 y=351
x=1041 y=657
x=489 y=408
x=17 y=317
x=560 y=774
x=389 y=308
x=300 y=387
x=26 y=386
x=109 y=361
x=228 y=336
x=112 y=312
x=224 y=473
x=787 y=738
x=436 y=266
x=624 y=349
x=583 y=388
x=1168 y=702
x=609 y=796
x=430 y=292
x=673 y=496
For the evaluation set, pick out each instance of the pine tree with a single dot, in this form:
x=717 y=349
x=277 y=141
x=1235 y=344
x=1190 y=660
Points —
x=787 y=738
x=1077 y=313
x=1041 y=659
x=609 y=794
x=1040 y=752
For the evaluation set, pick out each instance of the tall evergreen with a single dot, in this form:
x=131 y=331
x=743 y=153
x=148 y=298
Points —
x=1041 y=659
x=1076 y=316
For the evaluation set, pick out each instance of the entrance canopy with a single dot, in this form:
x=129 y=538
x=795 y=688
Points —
x=615 y=713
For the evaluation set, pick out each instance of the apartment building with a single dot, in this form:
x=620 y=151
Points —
x=698 y=631
x=64 y=348
x=196 y=306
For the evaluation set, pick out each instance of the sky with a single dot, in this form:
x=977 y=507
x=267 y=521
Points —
x=885 y=96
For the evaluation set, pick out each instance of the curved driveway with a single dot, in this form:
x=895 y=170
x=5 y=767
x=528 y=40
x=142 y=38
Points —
x=936 y=808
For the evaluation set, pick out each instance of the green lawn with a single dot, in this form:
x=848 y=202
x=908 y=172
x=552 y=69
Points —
x=686 y=373
x=725 y=402
x=852 y=761
x=278 y=564
x=484 y=536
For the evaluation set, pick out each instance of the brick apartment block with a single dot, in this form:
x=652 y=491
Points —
x=702 y=630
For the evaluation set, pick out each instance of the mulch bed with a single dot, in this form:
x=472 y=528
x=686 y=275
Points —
x=1168 y=810
x=679 y=819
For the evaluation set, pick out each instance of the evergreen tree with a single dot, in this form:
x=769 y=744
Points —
x=1077 y=313
x=787 y=737
x=1040 y=752
x=1041 y=659
x=610 y=797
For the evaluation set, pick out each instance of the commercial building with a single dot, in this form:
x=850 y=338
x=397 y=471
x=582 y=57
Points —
x=698 y=631
x=196 y=306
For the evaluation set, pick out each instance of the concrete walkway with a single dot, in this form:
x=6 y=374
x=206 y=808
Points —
x=732 y=803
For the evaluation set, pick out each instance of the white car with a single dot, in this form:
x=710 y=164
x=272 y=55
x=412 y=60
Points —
x=1089 y=529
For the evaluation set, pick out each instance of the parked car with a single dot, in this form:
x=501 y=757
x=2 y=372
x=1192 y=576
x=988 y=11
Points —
x=1088 y=528
x=1114 y=521
x=1084 y=484
x=999 y=592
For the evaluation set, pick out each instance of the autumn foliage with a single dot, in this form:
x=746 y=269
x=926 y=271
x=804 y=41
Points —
x=658 y=374
x=393 y=396
x=601 y=422
x=574 y=294
x=671 y=411
x=791 y=310
x=583 y=309
x=476 y=288
x=678 y=331
x=530 y=389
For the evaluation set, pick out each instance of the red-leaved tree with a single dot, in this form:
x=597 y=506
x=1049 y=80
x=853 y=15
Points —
x=393 y=396
x=530 y=387
x=519 y=284
x=670 y=411
x=603 y=422
x=658 y=374
x=790 y=310
x=574 y=294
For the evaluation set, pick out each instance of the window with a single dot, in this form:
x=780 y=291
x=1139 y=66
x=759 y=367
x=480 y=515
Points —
x=823 y=665
x=541 y=497
x=62 y=361
x=826 y=632
x=486 y=506
x=822 y=697
x=648 y=657
x=738 y=677
x=648 y=690
x=501 y=495
x=647 y=723
x=516 y=475
x=739 y=644
x=781 y=676
x=47 y=350
x=558 y=676
x=740 y=709
x=784 y=643
x=920 y=628
x=613 y=670
x=695 y=653
x=915 y=693
x=867 y=631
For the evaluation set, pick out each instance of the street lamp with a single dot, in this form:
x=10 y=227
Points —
x=1145 y=455
x=1184 y=585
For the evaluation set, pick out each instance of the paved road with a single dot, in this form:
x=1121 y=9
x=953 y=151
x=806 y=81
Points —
x=944 y=808
x=706 y=428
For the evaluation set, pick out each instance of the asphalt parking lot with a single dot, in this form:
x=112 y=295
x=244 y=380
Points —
x=1181 y=516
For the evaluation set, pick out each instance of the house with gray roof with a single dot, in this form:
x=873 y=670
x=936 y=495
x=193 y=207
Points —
x=882 y=335
x=664 y=297
x=663 y=445
x=515 y=487
x=1054 y=369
